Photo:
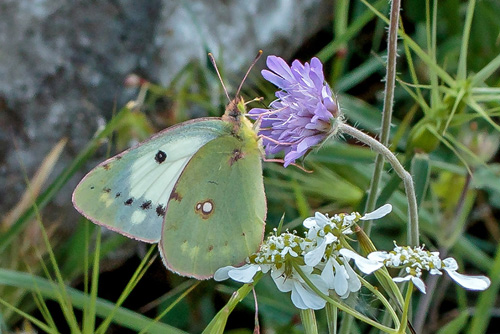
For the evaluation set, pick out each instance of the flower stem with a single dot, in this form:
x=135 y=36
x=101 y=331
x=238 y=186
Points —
x=331 y=318
x=218 y=322
x=309 y=321
x=342 y=306
x=406 y=309
x=413 y=230
x=387 y=109
x=384 y=301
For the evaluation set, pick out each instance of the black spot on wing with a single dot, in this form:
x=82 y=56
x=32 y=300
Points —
x=160 y=156
x=160 y=210
x=92 y=187
x=118 y=195
x=236 y=155
x=146 y=205
x=129 y=201
x=106 y=190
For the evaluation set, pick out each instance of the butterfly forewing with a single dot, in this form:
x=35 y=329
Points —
x=129 y=193
x=216 y=212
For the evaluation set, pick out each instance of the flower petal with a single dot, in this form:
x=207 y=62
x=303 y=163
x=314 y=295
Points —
x=402 y=279
x=340 y=279
x=379 y=213
x=221 y=274
x=282 y=283
x=302 y=298
x=418 y=283
x=280 y=67
x=353 y=279
x=365 y=265
x=450 y=264
x=378 y=256
x=313 y=257
x=327 y=274
x=274 y=79
x=244 y=274
x=468 y=281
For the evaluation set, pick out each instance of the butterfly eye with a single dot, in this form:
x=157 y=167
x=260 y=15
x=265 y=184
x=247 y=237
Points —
x=160 y=156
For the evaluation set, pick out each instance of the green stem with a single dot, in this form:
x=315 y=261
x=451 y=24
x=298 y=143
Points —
x=404 y=318
x=384 y=301
x=309 y=321
x=387 y=109
x=462 y=60
x=487 y=300
x=331 y=318
x=340 y=305
x=413 y=230
x=218 y=322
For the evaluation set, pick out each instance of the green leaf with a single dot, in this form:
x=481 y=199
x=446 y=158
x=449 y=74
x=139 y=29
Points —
x=455 y=325
x=421 y=172
x=48 y=290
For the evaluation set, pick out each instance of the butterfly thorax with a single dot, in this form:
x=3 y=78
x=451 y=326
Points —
x=242 y=128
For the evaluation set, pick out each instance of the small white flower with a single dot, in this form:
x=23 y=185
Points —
x=415 y=260
x=316 y=225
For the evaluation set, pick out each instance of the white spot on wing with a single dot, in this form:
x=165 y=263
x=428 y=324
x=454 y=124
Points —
x=106 y=199
x=138 y=217
x=207 y=207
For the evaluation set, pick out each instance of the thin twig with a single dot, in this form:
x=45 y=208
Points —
x=387 y=111
x=413 y=230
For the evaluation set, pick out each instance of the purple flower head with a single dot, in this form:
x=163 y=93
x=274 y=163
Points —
x=305 y=112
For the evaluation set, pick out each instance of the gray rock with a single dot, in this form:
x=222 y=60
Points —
x=62 y=64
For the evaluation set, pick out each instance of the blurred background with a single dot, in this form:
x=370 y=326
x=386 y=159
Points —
x=67 y=67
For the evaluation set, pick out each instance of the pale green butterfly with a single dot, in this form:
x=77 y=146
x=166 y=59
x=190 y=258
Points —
x=195 y=188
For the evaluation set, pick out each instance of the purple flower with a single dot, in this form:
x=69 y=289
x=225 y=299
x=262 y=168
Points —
x=305 y=112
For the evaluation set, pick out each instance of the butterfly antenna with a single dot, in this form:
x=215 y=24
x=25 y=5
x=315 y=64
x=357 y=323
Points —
x=248 y=71
x=212 y=59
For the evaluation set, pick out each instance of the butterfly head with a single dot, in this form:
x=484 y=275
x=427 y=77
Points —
x=234 y=109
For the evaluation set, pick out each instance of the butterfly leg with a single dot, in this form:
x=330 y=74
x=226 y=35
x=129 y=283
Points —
x=281 y=161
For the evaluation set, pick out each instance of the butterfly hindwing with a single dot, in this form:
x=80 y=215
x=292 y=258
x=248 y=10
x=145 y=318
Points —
x=216 y=212
x=129 y=192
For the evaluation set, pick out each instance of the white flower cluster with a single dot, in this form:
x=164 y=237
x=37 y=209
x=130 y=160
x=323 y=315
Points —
x=318 y=256
x=416 y=260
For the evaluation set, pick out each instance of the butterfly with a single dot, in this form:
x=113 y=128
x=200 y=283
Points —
x=195 y=188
